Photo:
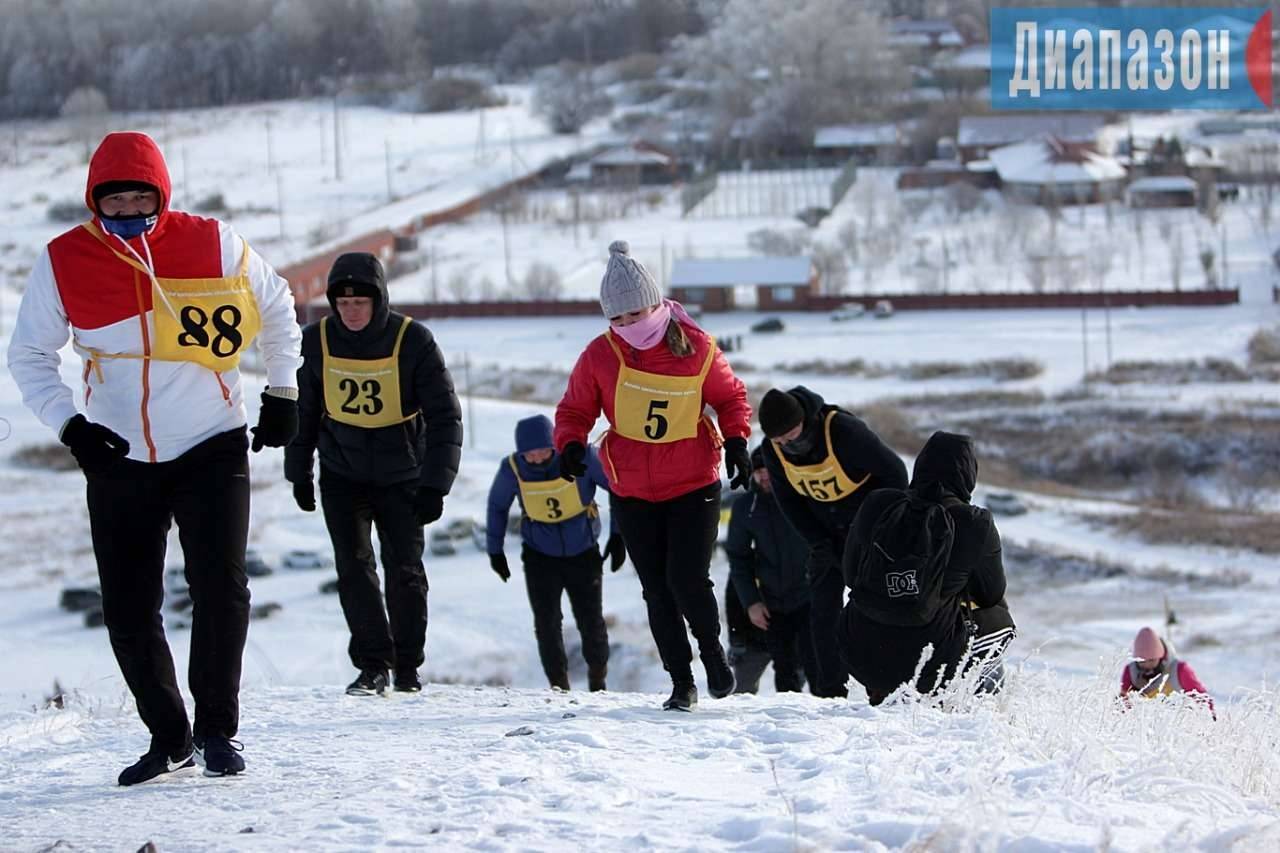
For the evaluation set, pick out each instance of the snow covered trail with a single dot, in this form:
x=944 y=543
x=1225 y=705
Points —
x=504 y=769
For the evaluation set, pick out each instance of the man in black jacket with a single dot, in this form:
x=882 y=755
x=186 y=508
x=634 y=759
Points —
x=972 y=615
x=823 y=461
x=767 y=575
x=377 y=401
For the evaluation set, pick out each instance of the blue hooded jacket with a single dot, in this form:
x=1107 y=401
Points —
x=566 y=539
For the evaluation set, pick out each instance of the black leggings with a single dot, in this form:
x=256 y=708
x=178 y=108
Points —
x=670 y=544
x=131 y=504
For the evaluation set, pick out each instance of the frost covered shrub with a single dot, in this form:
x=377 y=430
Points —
x=446 y=94
x=1264 y=347
x=72 y=210
x=48 y=457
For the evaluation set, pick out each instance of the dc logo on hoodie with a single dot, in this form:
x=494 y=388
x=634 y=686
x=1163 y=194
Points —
x=901 y=584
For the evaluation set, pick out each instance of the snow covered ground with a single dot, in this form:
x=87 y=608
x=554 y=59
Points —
x=1050 y=765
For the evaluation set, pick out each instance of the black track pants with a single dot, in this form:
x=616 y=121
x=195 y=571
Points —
x=670 y=543
x=824 y=616
x=394 y=637
x=547 y=579
x=206 y=491
x=790 y=640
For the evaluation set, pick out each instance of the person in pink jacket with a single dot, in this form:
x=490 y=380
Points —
x=1156 y=671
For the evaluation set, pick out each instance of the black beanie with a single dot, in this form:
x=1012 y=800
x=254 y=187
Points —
x=780 y=412
x=356 y=274
x=107 y=188
x=757 y=458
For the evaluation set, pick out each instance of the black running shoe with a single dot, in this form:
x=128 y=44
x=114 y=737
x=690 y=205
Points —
x=219 y=755
x=153 y=765
x=596 y=676
x=720 y=680
x=684 y=697
x=370 y=682
x=407 y=681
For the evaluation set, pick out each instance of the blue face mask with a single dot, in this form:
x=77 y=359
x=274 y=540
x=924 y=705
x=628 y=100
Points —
x=128 y=227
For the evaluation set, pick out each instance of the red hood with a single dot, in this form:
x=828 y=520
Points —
x=129 y=156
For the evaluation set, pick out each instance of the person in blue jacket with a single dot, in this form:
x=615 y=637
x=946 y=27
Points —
x=560 y=529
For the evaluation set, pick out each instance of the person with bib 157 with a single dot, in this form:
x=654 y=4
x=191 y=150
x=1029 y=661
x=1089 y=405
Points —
x=378 y=403
x=560 y=526
x=160 y=304
x=823 y=462
x=652 y=373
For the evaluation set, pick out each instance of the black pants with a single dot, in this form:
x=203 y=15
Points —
x=825 y=606
x=670 y=544
x=547 y=578
x=131 y=505
x=790 y=640
x=394 y=637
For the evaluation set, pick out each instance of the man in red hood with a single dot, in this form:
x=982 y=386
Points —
x=160 y=304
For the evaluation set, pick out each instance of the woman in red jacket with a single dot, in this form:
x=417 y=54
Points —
x=652 y=373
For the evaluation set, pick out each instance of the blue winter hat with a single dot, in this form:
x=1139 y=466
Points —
x=533 y=433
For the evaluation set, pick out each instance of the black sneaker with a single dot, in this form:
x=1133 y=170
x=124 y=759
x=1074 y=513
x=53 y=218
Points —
x=407 y=681
x=596 y=677
x=720 y=680
x=219 y=755
x=684 y=697
x=370 y=682
x=153 y=765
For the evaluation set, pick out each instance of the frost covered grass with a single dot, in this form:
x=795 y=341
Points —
x=1051 y=763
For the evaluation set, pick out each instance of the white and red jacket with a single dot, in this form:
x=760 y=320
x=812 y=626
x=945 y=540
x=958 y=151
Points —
x=79 y=288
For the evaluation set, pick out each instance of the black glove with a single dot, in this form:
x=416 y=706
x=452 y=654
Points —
x=615 y=551
x=498 y=562
x=821 y=559
x=94 y=446
x=304 y=495
x=737 y=462
x=277 y=422
x=428 y=505
x=573 y=460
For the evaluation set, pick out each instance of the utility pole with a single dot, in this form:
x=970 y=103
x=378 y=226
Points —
x=390 y=195
x=280 y=201
x=271 y=158
x=471 y=411
x=1084 y=342
x=337 y=121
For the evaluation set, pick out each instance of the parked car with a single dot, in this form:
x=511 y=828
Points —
x=305 y=559
x=769 y=325
x=883 y=309
x=254 y=565
x=441 y=544
x=80 y=599
x=1005 y=503
x=848 y=311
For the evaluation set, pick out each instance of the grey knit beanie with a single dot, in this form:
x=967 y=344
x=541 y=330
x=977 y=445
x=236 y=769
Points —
x=627 y=286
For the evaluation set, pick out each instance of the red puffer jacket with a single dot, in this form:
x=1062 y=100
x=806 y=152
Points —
x=653 y=472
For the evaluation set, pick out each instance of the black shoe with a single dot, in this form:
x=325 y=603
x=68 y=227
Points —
x=720 y=680
x=684 y=697
x=596 y=677
x=219 y=755
x=407 y=681
x=155 y=764
x=559 y=681
x=370 y=682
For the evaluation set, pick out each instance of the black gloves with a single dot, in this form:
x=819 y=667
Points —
x=615 y=551
x=821 y=559
x=498 y=562
x=304 y=495
x=428 y=505
x=94 y=446
x=277 y=422
x=737 y=462
x=573 y=460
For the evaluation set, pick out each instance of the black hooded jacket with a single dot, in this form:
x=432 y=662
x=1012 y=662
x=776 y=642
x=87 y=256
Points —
x=425 y=449
x=883 y=657
x=859 y=451
x=766 y=555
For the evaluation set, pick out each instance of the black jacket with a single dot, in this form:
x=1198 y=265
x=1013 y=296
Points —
x=766 y=555
x=425 y=450
x=859 y=452
x=883 y=657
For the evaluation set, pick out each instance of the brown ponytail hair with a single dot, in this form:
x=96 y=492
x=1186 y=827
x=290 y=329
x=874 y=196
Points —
x=677 y=341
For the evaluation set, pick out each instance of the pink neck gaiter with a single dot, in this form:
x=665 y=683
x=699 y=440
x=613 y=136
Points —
x=648 y=331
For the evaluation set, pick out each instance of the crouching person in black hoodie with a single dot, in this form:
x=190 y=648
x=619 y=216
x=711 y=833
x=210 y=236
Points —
x=375 y=398
x=925 y=568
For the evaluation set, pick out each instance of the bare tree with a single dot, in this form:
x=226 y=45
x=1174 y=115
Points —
x=833 y=267
x=86 y=108
x=542 y=282
x=1171 y=234
x=566 y=97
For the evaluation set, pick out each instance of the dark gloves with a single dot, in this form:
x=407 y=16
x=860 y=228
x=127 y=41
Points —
x=304 y=495
x=737 y=462
x=428 y=505
x=498 y=562
x=277 y=422
x=94 y=446
x=573 y=460
x=821 y=559
x=615 y=551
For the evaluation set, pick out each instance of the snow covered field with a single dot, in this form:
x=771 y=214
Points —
x=1049 y=765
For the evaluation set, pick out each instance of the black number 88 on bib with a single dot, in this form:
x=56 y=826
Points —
x=226 y=339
